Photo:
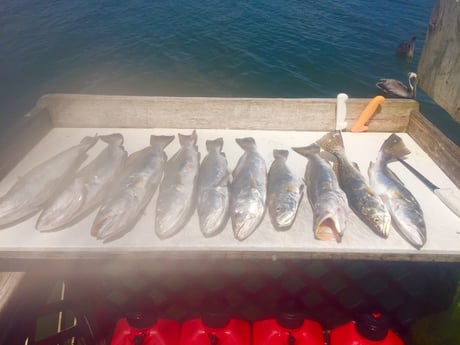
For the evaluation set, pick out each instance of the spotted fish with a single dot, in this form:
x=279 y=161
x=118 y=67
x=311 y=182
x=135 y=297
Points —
x=177 y=195
x=406 y=213
x=135 y=187
x=248 y=191
x=327 y=200
x=31 y=191
x=213 y=194
x=366 y=204
x=284 y=192
x=87 y=190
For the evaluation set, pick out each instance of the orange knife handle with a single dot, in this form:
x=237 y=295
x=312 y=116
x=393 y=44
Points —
x=368 y=112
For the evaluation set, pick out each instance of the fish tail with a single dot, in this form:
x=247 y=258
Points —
x=161 y=140
x=89 y=141
x=280 y=154
x=115 y=138
x=309 y=150
x=247 y=144
x=215 y=145
x=393 y=148
x=188 y=140
x=331 y=142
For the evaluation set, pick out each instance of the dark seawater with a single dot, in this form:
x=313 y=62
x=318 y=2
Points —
x=247 y=48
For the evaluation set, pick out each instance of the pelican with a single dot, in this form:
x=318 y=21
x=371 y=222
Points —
x=406 y=49
x=394 y=88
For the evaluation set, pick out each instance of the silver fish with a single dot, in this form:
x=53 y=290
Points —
x=406 y=213
x=212 y=190
x=30 y=193
x=135 y=188
x=177 y=194
x=284 y=192
x=327 y=200
x=248 y=191
x=366 y=204
x=87 y=189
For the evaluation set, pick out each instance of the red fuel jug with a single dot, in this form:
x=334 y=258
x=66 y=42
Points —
x=288 y=329
x=368 y=329
x=145 y=329
x=215 y=330
x=215 y=326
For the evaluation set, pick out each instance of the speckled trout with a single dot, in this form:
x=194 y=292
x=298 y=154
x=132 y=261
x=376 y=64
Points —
x=177 y=195
x=88 y=188
x=31 y=191
x=327 y=200
x=361 y=198
x=248 y=191
x=284 y=192
x=212 y=190
x=135 y=187
x=406 y=213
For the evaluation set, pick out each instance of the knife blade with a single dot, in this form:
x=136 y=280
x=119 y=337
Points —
x=449 y=196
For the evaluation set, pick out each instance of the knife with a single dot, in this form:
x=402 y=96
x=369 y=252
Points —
x=450 y=197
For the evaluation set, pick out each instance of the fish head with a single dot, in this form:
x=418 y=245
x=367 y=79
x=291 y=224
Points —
x=113 y=219
x=212 y=211
x=64 y=208
x=414 y=233
x=246 y=216
x=329 y=218
x=379 y=219
x=284 y=210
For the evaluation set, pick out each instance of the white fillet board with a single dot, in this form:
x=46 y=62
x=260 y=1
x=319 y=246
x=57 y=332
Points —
x=443 y=227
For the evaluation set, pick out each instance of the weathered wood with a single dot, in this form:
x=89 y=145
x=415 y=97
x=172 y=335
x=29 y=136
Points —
x=442 y=151
x=16 y=141
x=9 y=281
x=232 y=113
x=9 y=284
x=439 y=67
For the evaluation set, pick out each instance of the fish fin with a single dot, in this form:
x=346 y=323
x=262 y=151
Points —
x=392 y=174
x=335 y=169
x=252 y=182
x=180 y=180
x=308 y=150
x=188 y=140
x=301 y=192
x=393 y=147
x=356 y=166
x=114 y=138
x=161 y=140
x=215 y=145
x=90 y=141
x=327 y=156
x=280 y=154
x=331 y=142
x=247 y=144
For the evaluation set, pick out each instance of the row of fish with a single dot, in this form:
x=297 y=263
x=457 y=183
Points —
x=123 y=186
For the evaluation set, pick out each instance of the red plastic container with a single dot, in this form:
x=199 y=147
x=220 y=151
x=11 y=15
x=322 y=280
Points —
x=368 y=329
x=140 y=330
x=221 y=331
x=287 y=330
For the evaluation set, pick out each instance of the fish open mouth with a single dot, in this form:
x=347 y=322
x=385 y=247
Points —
x=327 y=230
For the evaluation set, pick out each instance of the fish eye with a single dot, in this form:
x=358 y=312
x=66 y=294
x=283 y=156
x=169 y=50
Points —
x=376 y=220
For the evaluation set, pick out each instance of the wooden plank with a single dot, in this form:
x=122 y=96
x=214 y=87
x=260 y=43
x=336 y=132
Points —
x=232 y=113
x=9 y=284
x=441 y=150
x=16 y=141
x=439 y=64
